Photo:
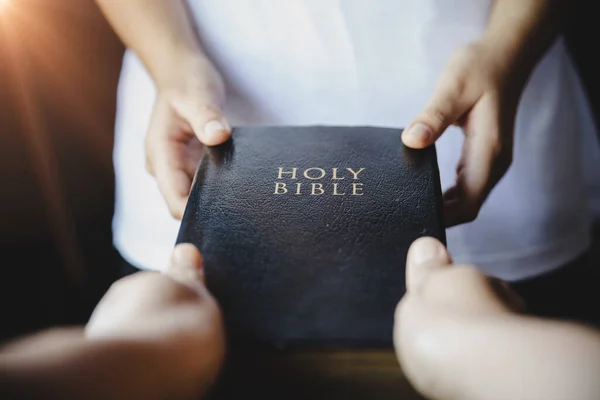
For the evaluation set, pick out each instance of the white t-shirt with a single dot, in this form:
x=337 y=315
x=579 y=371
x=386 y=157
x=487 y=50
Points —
x=359 y=62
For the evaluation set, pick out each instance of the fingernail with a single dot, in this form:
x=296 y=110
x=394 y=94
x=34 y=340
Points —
x=418 y=132
x=181 y=258
x=227 y=126
x=214 y=129
x=426 y=250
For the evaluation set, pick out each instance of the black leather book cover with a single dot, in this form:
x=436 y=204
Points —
x=305 y=230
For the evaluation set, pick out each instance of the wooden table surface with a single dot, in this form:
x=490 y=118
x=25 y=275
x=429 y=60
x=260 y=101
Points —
x=370 y=375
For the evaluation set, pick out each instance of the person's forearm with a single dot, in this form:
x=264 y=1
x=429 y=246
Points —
x=525 y=358
x=158 y=31
x=521 y=31
x=65 y=364
x=78 y=371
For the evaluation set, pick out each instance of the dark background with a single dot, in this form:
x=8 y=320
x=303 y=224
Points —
x=59 y=66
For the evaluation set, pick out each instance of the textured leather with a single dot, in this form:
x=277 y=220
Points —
x=311 y=271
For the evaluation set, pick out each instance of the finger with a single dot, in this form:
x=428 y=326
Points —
x=166 y=151
x=160 y=121
x=448 y=104
x=450 y=194
x=486 y=157
x=193 y=154
x=424 y=255
x=172 y=176
x=466 y=289
x=186 y=266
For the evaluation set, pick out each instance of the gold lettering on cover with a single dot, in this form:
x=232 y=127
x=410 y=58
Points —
x=280 y=188
x=317 y=186
x=322 y=171
x=335 y=177
x=329 y=181
x=335 y=190
x=355 y=173
x=281 y=172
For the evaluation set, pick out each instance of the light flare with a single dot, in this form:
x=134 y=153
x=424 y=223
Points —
x=4 y=4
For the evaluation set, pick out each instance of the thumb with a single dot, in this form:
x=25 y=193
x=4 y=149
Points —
x=205 y=119
x=448 y=104
x=210 y=125
x=425 y=255
x=186 y=266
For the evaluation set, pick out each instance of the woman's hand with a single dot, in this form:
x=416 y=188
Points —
x=433 y=320
x=479 y=91
x=152 y=336
x=132 y=304
x=168 y=316
x=187 y=114
x=461 y=335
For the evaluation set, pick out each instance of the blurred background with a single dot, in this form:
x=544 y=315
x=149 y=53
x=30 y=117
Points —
x=59 y=67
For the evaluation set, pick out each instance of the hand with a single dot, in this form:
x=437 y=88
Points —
x=187 y=114
x=173 y=314
x=434 y=317
x=478 y=91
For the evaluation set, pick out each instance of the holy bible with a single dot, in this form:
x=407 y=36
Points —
x=305 y=230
